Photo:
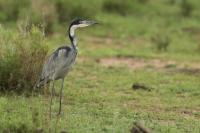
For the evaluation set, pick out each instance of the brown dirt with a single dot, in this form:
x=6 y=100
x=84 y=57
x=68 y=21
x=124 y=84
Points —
x=138 y=63
x=167 y=122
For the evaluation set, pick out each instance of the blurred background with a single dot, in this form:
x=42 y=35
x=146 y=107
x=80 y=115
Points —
x=141 y=63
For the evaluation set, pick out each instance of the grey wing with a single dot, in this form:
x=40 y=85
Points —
x=55 y=62
x=48 y=68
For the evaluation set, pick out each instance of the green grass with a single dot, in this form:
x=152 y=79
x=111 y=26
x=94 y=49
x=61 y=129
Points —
x=101 y=99
x=98 y=99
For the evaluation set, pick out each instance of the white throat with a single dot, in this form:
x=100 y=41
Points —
x=72 y=30
x=74 y=27
x=72 y=34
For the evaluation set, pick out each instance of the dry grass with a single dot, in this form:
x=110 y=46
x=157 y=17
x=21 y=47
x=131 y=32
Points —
x=21 y=56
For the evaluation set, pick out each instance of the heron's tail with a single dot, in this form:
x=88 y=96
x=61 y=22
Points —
x=38 y=85
x=41 y=82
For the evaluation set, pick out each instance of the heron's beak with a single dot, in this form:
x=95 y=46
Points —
x=91 y=22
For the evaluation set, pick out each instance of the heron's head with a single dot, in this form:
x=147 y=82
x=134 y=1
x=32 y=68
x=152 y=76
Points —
x=78 y=23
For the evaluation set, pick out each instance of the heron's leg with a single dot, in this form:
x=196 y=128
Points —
x=54 y=92
x=45 y=89
x=62 y=84
x=51 y=98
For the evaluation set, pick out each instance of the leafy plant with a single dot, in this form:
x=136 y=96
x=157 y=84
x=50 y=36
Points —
x=21 y=56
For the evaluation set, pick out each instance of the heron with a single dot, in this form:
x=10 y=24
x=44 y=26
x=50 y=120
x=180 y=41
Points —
x=60 y=62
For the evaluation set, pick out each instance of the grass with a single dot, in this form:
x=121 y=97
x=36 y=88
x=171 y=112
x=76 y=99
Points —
x=108 y=104
x=100 y=99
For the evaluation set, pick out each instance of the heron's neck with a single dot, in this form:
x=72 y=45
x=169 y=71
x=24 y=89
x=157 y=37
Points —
x=72 y=37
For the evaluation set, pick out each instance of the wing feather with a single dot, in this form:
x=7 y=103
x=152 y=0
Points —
x=56 y=60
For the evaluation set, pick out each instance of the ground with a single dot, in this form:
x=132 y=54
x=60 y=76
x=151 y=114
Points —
x=98 y=96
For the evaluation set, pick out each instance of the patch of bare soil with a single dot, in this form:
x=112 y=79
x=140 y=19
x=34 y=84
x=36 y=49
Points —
x=190 y=113
x=134 y=63
x=83 y=59
x=167 y=122
x=138 y=63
